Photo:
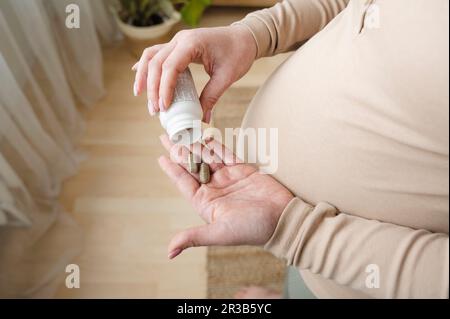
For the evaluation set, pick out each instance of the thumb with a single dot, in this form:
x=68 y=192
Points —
x=211 y=93
x=205 y=235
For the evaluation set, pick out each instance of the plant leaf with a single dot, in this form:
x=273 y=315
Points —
x=193 y=11
x=167 y=7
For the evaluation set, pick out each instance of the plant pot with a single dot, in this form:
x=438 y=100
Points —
x=148 y=33
x=139 y=38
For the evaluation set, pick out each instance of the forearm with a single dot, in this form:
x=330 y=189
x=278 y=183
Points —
x=287 y=24
x=340 y=247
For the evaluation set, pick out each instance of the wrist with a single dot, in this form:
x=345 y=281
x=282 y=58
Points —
x=278 y=208
x=245 y=38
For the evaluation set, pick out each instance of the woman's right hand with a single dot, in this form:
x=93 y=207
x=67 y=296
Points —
x=226 y=53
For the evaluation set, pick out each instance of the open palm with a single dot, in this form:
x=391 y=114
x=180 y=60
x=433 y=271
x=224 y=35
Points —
x=240 y=205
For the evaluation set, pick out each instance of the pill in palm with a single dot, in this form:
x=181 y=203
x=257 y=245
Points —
x=204 y=174
x=192 y=164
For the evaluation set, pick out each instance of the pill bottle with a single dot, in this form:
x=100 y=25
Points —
x=182 y=120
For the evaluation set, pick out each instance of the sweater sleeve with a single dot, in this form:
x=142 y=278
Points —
x=284 y=26
x=380 y=259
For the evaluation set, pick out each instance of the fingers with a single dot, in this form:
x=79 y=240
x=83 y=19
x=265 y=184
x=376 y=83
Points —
x=215 y=154
x=205 y=235
x=187 y=184
x=142 y=68
x=177 y=61
x=159 y=67
x=224 y=153
x=178 y=153
x=155 y=104
x=168 y=144
x=208 y=156
x=211 y=93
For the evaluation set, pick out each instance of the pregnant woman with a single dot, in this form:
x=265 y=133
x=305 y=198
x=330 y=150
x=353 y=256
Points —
x=362 y=112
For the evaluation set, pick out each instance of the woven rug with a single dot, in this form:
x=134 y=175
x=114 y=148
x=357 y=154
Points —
x=232 y=268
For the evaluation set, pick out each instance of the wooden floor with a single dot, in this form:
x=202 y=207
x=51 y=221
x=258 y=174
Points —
x=125 y=205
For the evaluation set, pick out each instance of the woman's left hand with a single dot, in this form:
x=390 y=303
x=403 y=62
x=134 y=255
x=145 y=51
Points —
x=240 y=205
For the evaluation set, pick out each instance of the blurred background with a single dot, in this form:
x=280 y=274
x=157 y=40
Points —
x=79 y=179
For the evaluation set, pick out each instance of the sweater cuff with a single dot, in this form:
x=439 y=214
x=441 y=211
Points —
x=296 y=224
x=260 y=33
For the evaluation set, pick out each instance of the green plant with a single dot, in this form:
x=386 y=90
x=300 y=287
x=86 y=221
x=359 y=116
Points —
x=192 y=10
x=143 y=13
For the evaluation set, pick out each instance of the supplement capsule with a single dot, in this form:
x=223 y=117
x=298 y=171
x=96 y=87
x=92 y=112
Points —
x=204 y=174
x=192 y=165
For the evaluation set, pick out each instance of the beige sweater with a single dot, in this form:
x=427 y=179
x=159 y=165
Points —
x=362 y=111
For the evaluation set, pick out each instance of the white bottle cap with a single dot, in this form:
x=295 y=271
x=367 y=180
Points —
x=182 y=120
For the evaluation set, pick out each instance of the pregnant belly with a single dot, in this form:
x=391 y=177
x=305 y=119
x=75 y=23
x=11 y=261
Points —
x=333 y=146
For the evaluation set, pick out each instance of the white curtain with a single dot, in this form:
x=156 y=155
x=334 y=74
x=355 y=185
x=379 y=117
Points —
x=46 y=72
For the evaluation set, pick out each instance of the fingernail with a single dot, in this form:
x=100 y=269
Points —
x=162 y=107
x=174 y=253
x=150 y=108
x=135 y=91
